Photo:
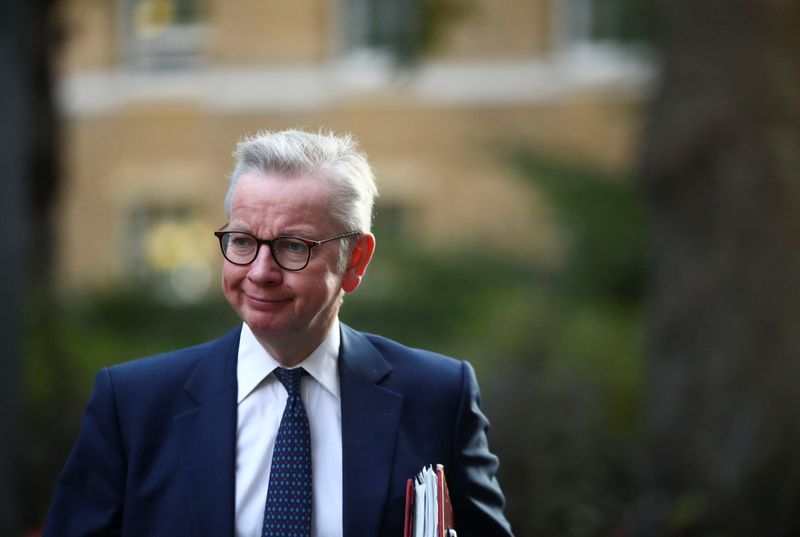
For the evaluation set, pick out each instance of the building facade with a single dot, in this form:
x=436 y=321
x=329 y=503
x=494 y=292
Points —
x=155 y=94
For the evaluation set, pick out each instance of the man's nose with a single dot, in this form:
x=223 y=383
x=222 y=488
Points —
x=264 y=268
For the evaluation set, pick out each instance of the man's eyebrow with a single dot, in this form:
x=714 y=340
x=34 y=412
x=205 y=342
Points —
x=230 y=227
x=301 y=232
x=297 y=232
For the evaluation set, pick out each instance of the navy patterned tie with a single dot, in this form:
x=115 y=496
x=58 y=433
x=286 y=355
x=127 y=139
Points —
x=288 y=510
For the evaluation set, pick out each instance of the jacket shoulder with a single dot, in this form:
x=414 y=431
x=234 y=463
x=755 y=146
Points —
x=395 y=351
x=163 y=373
x=165 y=361
x=421 y=372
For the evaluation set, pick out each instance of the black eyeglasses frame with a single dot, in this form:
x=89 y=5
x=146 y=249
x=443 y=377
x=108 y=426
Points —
x=220 y=234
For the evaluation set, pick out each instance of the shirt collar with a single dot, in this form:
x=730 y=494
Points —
x=255 y=363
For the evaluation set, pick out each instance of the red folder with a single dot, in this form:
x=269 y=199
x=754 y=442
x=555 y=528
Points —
x=445 y=526
x=408 y=529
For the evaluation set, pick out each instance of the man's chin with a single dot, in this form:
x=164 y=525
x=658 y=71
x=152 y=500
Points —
x=262 y=327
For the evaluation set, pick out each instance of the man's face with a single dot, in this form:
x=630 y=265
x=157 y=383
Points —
x=285 y=309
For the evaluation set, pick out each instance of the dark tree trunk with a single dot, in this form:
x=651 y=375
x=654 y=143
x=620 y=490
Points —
x=27 y=180
x=12 y=204
x=722 y=175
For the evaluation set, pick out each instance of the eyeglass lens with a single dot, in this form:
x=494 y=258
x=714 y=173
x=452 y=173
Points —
x=241 y=249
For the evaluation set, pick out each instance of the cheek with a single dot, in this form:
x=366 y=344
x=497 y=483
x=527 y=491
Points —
x=314 y=287
x=232 y=276
x=330 y=285
x=334 y=281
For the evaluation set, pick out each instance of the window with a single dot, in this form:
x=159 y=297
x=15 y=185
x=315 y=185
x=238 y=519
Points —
x=163 y=33
x=605 y=22
x=384 y=30
x=169 y=249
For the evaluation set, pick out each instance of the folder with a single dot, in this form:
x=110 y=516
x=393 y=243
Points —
x=428 y=512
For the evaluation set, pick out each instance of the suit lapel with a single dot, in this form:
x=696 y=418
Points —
x=370 y=417
x=207 y=437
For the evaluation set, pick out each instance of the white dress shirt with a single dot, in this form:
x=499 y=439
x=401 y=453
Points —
x=261 y=400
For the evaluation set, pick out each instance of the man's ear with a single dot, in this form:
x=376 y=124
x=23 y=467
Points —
x=359 y=259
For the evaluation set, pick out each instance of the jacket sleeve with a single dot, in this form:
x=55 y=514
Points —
x=89 y=495
x=477 y=499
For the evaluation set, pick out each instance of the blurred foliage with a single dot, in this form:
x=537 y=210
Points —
x=557 y=349
x=574 y=461
x=64 y=350
x=112 y=326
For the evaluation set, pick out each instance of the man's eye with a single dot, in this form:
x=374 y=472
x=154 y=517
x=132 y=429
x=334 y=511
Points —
x=240 y=241
x=291 y=247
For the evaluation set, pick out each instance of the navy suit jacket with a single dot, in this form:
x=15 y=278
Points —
x=157 y=447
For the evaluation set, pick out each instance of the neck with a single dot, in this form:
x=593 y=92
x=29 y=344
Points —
x=290 y=350
x=288 y=355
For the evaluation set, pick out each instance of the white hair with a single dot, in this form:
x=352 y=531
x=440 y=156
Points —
x=324 y=155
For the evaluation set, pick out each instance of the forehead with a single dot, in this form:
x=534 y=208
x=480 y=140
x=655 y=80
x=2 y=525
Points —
x=266 y=201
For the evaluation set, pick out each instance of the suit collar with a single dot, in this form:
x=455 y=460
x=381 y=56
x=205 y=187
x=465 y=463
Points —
x=370 y=421
x=216 y=369
x=361 y=357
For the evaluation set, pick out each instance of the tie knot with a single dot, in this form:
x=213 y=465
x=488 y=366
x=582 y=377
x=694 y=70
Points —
x=290 y=378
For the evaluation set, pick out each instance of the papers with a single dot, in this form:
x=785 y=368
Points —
x=428 y=509
x=425 y=503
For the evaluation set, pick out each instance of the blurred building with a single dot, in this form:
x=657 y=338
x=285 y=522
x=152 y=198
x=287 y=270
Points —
x=155 y=94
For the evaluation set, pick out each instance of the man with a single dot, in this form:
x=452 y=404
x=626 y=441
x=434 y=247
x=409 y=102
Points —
x=293 y=424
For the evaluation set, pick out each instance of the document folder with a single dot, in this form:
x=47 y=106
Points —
x=428 y=512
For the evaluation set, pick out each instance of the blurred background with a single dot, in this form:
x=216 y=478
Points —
x=592 y=201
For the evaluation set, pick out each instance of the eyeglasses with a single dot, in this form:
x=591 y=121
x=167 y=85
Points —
x=290 y=253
